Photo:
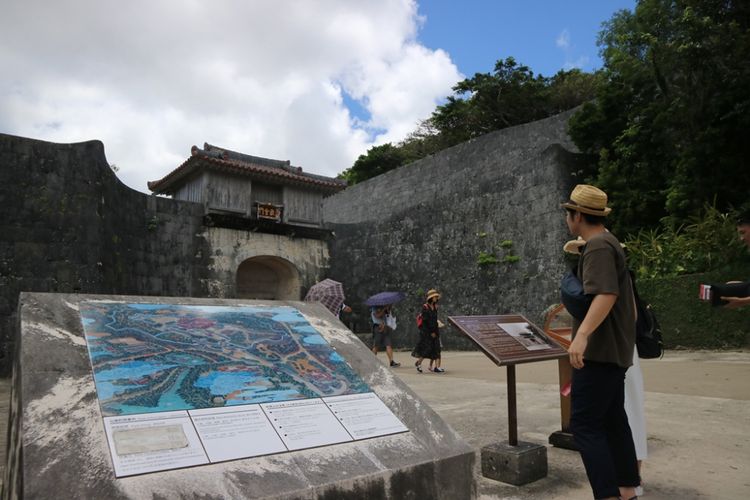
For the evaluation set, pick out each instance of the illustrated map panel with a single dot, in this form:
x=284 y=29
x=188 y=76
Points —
x=150 y=358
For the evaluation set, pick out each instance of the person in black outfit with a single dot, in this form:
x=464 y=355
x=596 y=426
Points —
x=429 y=335
x=743 y=230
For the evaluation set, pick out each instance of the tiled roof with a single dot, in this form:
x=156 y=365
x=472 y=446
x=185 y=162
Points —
x=224 y=160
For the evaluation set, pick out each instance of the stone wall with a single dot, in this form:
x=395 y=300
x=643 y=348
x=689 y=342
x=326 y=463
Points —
x=69 y=225
x=427 y=225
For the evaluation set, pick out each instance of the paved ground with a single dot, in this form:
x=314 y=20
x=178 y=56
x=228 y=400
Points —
x=697 y=410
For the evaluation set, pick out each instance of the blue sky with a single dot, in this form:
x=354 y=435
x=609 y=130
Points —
x=476 y=33
x=545 y=35
x=317 y=83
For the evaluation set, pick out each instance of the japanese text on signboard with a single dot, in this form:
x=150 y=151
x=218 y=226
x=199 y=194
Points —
x=269 y=211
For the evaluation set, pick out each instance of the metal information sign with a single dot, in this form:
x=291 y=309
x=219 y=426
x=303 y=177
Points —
x=508 y=340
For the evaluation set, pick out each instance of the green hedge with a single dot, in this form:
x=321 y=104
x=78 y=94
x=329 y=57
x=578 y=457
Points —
x=690 y=323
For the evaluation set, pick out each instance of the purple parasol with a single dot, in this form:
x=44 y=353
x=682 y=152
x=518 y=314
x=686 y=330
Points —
x=329 y=293
x=385 y=298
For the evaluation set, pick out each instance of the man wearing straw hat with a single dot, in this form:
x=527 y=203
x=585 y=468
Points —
x=602 y=350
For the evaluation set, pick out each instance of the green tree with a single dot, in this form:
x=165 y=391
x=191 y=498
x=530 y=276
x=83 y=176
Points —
x=509 y=96
x=378 y=160
x=666 y=132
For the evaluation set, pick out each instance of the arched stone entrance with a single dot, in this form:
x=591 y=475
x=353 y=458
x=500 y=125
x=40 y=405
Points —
x=268 y=277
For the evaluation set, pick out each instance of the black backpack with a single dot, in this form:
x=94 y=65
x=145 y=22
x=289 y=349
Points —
x=648 y=338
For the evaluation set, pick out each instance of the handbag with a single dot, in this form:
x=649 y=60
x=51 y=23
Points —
x=390 y=321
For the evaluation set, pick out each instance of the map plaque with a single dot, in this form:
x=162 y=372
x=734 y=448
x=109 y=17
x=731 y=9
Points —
x=185 y=385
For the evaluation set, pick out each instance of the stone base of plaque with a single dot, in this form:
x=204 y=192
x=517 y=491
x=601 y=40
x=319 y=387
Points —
x=562 y=439
x=516 y=465
x=57 y=432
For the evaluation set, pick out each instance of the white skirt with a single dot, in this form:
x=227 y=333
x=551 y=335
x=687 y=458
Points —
x=634 y=406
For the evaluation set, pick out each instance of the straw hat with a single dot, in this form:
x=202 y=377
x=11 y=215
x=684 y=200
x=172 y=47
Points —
x=574 y=246
x=588 y=199
x=433 y=293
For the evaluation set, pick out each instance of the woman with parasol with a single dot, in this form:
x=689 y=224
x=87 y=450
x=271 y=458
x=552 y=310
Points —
x=383 y=322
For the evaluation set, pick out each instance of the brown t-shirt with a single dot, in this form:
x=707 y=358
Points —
x=602 y=269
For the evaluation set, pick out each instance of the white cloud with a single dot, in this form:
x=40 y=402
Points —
x=563 y=39
x=571 y=62
x=150 y=79
x=579 y=63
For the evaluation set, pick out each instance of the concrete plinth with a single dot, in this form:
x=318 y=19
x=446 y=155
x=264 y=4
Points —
x=516 y=465
x=58 y=445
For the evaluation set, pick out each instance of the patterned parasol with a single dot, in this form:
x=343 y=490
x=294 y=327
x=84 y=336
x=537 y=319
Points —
x=328 y=292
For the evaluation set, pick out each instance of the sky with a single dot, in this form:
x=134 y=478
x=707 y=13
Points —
x=316 y=82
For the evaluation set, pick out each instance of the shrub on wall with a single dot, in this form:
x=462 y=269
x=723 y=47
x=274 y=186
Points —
x=704 y=243
x=689 y=323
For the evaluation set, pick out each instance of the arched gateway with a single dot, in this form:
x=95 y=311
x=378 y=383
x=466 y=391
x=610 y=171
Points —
x=268 y=277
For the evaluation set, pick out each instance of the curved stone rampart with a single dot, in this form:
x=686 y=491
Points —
x=70 y=226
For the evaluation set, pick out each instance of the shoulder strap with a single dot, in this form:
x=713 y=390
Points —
x=632 y=284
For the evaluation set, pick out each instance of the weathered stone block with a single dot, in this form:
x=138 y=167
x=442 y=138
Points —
x=57 y=440
x=516 y=465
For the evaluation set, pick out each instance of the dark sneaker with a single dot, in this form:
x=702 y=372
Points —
x=419 y=367
x=393 y=363
x=438 y=370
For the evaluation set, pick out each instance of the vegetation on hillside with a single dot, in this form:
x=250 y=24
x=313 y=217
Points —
x=666 y=133
x=510 y=95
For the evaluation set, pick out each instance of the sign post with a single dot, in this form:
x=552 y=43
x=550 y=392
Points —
x=509 y=340
x=557 y=326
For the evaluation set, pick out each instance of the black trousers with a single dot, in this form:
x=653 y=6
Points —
x=600 y=428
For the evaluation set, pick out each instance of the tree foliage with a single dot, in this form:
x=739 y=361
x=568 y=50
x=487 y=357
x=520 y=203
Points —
x=510 y=95
x=704 y=242
x=667 y=132
x=378 y=160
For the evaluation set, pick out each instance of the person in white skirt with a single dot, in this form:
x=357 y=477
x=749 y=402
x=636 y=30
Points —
x=635 y=408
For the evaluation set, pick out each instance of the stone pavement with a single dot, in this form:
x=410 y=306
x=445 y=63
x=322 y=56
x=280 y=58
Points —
x=697 y=412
